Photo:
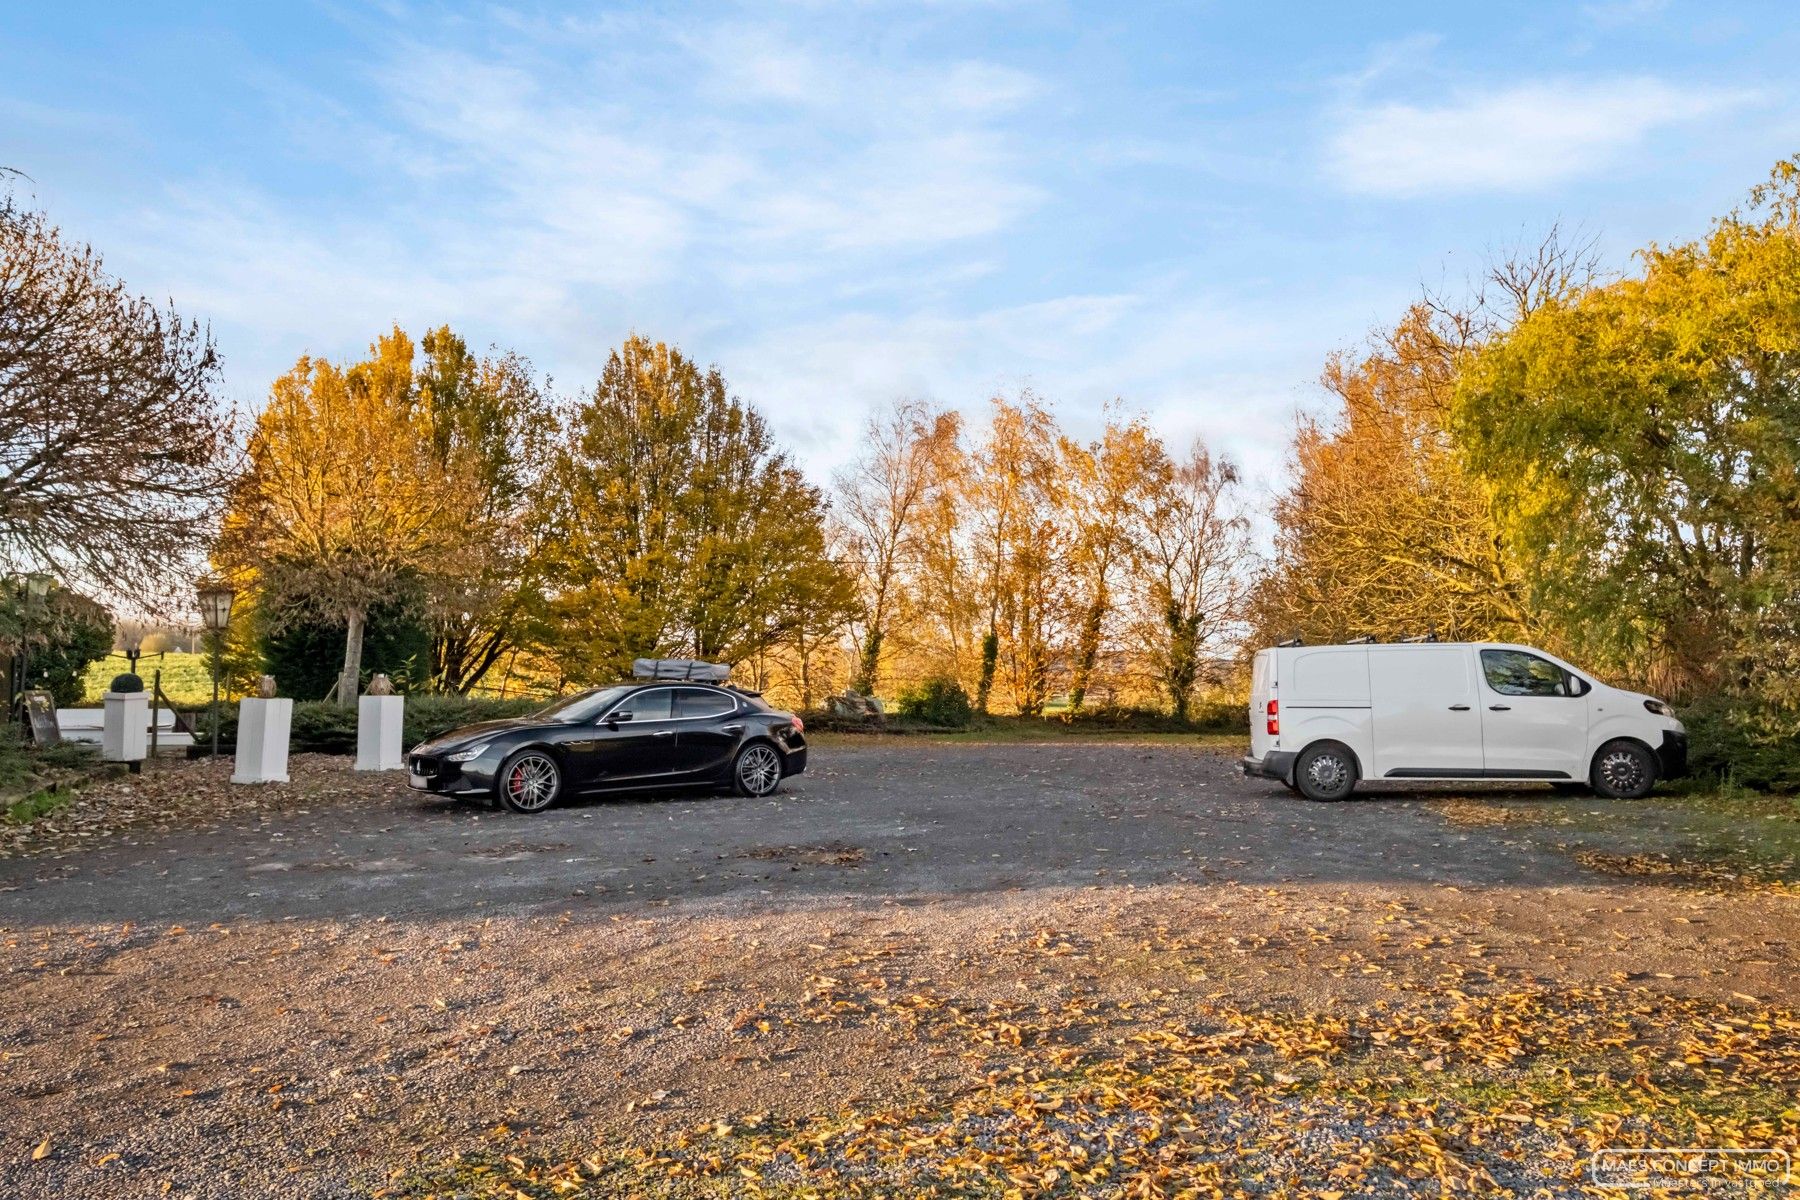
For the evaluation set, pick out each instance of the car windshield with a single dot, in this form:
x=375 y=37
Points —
x=583 y=706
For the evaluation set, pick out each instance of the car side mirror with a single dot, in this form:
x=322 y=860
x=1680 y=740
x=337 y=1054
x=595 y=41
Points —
x=613 y=721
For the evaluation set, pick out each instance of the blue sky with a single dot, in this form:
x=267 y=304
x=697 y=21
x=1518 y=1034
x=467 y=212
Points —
x=1186 y=206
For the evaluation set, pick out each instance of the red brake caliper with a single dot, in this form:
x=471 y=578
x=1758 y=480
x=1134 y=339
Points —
x=518 y=782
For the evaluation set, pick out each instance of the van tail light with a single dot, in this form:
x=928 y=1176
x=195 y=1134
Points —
x=1274 y=721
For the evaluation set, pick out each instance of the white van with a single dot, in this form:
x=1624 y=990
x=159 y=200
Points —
x=1324 y=717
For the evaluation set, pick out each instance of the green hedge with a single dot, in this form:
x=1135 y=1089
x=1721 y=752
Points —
x=321 y=728
x=1750 y=743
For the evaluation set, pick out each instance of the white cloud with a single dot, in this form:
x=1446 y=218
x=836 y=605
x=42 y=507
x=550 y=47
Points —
x=1518 y=138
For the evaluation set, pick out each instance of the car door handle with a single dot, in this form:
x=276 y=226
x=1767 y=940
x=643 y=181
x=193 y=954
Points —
x=664 y=733
x=1499 y=708
x=731 y=729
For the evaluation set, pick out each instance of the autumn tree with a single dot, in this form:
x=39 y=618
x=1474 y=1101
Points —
x=680 y=528
x=883 y=499
x=1197 y=560
x=115 y=450
x=1106 y=485
x=489 y=427
x=1641 y=442
x=1384 y=531
x=342 y=504
x=1012 y=496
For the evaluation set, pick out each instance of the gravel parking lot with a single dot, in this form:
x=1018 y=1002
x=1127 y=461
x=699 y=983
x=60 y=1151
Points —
x=299 y=999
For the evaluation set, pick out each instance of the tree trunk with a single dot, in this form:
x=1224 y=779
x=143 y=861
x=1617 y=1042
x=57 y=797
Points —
x=350 y=681
x=990 y=658
x=1184 y=656
x=1087 y=650
x=869 y=663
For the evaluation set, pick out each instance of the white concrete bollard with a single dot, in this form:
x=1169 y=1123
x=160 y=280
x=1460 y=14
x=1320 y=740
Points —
x=380 y=724
x=262 y=740
x=124 y=726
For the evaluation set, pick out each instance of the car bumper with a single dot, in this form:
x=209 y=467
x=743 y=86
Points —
x=794 y=761
x=426 y=774
x=1276 y=764
x=1672 y=755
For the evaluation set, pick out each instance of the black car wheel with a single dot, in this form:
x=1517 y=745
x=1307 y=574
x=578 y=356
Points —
x=529 y=782
x=757 y=771
x=1326 y=771
x=1624 y=771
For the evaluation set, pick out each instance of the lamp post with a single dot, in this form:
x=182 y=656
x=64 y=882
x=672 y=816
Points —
x=215 y=613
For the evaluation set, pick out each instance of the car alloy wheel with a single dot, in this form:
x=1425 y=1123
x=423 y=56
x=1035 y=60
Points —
x=529 y=783
x=758 y=770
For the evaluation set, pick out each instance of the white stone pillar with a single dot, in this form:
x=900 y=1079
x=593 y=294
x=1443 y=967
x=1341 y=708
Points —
x=125 y=726
x=262 y=740
x=380 y=722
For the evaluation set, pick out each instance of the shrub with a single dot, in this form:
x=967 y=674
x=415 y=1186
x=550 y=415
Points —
x=938 y=701
x=1750 y=742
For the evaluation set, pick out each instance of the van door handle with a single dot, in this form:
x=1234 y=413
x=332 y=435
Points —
x=1459 y=708
x=1499 y=708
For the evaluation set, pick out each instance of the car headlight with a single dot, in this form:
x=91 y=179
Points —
x=468 y=755
x=1659 y=708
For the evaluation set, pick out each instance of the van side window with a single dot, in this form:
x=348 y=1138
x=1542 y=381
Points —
x=1516 y=673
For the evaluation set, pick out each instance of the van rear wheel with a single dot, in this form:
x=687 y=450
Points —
x=1326 y=771
x=1624 y=771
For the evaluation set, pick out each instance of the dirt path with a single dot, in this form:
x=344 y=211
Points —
x=301 y=997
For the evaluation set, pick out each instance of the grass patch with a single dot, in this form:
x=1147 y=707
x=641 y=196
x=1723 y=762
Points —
x=1149 y=728
x=1706 y=836
x=187 y=678
x=39 y=803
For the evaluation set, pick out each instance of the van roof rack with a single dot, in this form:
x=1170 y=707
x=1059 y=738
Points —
x=1423 y=637
x=1290 y=642
x=1367 y=639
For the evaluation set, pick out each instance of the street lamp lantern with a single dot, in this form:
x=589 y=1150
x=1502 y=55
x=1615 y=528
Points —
x=215 y=613
x=37 y=585
x=215 y=606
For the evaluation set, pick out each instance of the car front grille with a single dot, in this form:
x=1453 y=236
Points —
x=426 y=767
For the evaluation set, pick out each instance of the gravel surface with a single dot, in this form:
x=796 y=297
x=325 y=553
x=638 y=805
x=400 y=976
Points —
x=296 y=990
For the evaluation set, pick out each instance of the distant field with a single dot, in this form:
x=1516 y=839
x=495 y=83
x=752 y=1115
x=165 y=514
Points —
x=185 y=677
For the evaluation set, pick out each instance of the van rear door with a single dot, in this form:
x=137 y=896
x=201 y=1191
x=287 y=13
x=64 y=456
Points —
x=1427 y=720
x=1262 y=689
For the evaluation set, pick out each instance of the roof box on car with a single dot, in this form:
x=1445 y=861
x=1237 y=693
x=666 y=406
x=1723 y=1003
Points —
x=679 y=668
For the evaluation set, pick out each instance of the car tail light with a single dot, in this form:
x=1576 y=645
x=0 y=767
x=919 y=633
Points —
x=1274 y=721
x=799 y=725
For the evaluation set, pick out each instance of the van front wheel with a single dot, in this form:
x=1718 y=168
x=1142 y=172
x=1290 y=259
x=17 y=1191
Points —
x=1326 y=771
x=1624 y=771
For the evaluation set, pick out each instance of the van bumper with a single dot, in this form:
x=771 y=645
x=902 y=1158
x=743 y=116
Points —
x=1672 y=755
x=1276 y=764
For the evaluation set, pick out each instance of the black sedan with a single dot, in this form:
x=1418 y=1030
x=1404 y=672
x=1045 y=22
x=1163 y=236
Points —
x=631 y=737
